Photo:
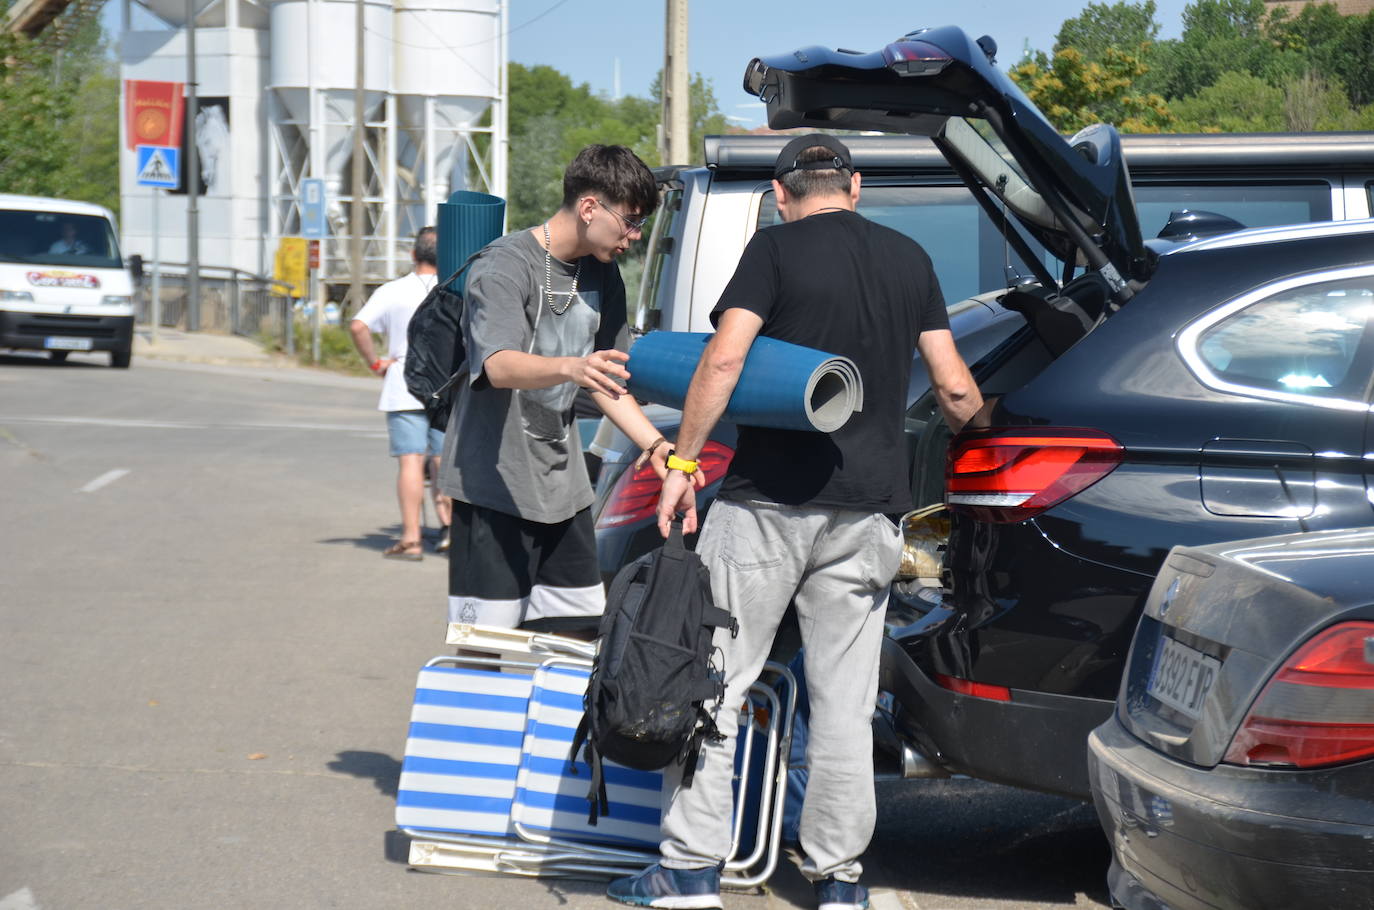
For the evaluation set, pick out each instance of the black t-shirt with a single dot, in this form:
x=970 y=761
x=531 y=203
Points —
x=839 y=283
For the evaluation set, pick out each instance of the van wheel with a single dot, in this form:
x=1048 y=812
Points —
x=59 y=356
x=120 y=359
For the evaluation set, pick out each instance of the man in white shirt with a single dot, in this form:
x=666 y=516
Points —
x=413 y=441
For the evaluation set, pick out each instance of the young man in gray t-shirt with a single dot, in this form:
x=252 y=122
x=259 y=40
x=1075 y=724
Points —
x=545 y=314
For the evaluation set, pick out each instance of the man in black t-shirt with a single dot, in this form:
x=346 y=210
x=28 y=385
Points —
x=801 y=516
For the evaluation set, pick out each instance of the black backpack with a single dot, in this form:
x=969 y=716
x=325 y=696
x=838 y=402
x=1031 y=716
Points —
x=436 y=355
x=646 y=701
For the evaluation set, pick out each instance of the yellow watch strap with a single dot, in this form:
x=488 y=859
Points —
x=681 y=464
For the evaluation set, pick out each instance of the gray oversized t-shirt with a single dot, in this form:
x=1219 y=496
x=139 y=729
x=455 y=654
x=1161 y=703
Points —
x=518 y=451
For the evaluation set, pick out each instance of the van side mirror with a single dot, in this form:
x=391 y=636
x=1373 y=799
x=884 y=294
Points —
x=136 y=267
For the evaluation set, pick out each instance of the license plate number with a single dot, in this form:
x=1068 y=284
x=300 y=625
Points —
x=59 y=343
x=1182 y=677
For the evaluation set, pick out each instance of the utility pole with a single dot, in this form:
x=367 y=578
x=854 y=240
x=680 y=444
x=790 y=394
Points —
x=359 y=186
x=192 y=178
x=677 y=118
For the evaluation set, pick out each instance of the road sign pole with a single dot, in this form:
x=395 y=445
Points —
x=157 y=269
x=291 y=326
x=192 y=178
x=319 y=318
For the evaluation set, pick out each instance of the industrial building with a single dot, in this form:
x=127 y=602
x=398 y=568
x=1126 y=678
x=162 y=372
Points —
x=276 y=84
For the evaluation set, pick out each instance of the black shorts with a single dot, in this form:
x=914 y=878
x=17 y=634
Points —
x=507 y=571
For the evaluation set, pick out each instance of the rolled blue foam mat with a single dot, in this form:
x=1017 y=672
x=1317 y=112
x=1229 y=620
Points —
x=784 y=386
x=467 y=222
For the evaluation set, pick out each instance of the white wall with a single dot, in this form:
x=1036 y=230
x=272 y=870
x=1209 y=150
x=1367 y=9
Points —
x=229 y=63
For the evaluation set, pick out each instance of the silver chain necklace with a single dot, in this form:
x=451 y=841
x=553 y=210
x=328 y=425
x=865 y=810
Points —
x=549 y=295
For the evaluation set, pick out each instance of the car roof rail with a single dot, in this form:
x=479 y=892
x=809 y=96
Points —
x=755 y=155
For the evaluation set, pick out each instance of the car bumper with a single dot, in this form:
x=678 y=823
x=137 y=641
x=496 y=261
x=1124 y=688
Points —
x=63 y=331
x=1036 y=740
x=1184 y=837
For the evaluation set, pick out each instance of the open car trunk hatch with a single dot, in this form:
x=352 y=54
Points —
x=1074 y=195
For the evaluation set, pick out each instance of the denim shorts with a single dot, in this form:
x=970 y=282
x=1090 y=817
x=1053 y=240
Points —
x=411 y=434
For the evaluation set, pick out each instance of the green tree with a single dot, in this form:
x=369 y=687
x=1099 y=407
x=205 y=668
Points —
x=706 y=117
x=33 y=146
x=1074 y=92
x=1221 y=36
x=59 y=118
x=1123 y=26
x=1235 y=103
x=551 y=118
x=1334 y=46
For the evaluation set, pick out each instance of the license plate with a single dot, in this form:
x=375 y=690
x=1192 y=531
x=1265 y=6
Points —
x=59 y=343
x=1182 y=677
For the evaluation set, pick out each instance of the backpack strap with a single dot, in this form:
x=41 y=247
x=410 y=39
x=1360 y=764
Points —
x=712 y=615
x=448 y=282
x=580 y=739
x=691 y=750
x=599 y=803
x=674 y=544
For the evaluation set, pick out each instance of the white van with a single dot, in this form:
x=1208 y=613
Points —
x=63 y=285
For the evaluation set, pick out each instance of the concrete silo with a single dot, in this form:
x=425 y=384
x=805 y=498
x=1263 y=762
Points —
x=434 y=91
x=281 y=74
x=449 y=84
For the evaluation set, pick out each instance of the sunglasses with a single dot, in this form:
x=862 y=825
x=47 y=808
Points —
x=631 y=224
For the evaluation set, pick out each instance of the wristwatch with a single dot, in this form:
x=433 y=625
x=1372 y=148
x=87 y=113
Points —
x=681 y=464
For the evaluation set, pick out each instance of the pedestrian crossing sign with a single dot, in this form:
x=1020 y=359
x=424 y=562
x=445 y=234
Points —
x=159 y=165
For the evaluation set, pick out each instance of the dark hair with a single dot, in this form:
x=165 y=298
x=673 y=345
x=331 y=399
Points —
x=614 y=172
x=427 y=246
x=800 y=183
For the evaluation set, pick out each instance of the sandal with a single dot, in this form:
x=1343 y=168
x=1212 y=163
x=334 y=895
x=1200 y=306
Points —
x=408 y=550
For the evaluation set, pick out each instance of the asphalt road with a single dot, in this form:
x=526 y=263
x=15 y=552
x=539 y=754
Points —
x=207 y=669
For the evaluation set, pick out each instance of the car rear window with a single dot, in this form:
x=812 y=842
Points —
x=1304 y=340
x=970 y=256
x=1253 y=204
x=967 y=251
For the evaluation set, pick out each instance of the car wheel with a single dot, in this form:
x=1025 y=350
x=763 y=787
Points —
x=120 y=359
x=59 y=356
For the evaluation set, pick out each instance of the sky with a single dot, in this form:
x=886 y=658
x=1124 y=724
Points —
x=585 y=38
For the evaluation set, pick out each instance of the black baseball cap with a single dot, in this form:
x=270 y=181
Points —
x=787 y=159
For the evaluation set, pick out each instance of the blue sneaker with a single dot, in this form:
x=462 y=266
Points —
x=671 y=889
x=832 y=894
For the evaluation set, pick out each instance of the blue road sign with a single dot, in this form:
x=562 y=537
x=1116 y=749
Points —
x=313 y=224
x=159 y=165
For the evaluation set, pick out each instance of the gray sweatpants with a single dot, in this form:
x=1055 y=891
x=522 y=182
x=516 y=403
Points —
x=836 y=565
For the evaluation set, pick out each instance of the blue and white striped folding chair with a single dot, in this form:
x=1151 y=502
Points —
x=486 y=784
x=463 y=750
x=551 y=792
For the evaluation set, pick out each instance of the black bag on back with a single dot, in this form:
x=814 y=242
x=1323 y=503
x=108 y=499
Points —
x=435 y=353
x=646 y=701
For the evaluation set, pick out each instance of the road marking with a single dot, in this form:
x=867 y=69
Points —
x=369 y=429
x=19 y=900
x=103 y=480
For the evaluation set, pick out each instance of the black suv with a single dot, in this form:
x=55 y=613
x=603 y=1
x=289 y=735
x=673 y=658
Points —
x=1158 y=393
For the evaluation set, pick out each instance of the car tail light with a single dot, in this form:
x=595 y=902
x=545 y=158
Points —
x=909 y=57
x=635 y=494
x=1006 y=475
x=976 y=689
x=1319 y=707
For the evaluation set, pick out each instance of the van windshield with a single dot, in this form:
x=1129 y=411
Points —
x=58 y=238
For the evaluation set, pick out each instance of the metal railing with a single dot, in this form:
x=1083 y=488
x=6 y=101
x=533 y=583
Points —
x=232 y=301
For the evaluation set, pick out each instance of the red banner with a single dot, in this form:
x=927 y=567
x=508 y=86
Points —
x=153 y=112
